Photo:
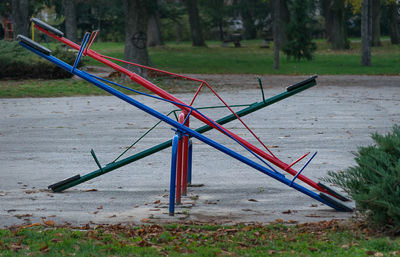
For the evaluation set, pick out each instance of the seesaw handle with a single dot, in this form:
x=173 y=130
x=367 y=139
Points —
x=34 y=45
x=300 y=84
x=47 y=27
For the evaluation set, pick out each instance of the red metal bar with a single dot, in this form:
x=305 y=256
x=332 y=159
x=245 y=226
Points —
x=147 y=84
x=296 y=161
x=179 y=167
x=185 y=159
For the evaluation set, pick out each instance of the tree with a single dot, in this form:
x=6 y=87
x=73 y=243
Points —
x=70 y=19
x=276 y=20
x=136 y=18
x=394 y=20
x=366 y=32
x=195 y=24
x=216 y=11
x=335 y=23
x=154 y=25
x=376 y=23
x=284 y=21
x=247 y=11
x=299 y=30
x=20 y=14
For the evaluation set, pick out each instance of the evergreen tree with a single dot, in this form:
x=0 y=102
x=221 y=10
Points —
x=299 y=31
x=374 y=183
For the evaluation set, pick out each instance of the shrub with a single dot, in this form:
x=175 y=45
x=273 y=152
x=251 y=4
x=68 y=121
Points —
x=374 y=183
x=17 y=62
x=300 y=31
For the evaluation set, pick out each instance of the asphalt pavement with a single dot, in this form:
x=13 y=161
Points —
x=45 y=140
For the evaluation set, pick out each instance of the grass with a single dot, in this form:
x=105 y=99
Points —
x=251 y=59
x=313 y=239
x=73 y=87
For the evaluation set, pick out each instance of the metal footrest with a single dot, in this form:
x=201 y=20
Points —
x=47 y=27
x=340 y=206
x=333 y=192
x=34 y=45
x=302 y=83
x=63 y=182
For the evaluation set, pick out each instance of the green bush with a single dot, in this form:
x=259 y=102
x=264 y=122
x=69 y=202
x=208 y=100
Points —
x=374 y=183
x=300 y=30
x=17 y=62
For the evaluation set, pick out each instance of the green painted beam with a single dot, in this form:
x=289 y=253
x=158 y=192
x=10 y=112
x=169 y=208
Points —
x=291 y=90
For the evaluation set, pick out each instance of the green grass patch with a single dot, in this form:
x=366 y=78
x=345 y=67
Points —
x=214 y=59
x=252 y=59
x=313 y=239
x=78 y=87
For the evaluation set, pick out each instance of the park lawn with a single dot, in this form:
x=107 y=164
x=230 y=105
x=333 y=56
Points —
x=215 y=59
x=252 y=59
x=327 y=238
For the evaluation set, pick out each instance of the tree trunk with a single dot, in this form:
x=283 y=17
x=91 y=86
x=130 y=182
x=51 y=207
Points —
x=394 y=20
x=276 y=21
x=250 y=31
x=194 y=21
x=70 y=19
x=284 y=20
x=376 y=23
x=325 y=6
x=154 y=29
x=338 y=33
x=366 y=32
x=20 y=16
x=136 y=18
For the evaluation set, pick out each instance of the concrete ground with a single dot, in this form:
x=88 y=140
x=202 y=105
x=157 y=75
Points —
x=45 y=140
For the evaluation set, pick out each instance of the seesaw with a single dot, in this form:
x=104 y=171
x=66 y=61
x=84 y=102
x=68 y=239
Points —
x=180 y=144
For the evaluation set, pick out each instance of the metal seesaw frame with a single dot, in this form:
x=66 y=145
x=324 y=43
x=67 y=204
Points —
x=182 y=129
x=58 y=35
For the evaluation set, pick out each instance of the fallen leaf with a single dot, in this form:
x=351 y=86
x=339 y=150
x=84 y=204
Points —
x=143 y=243
x=16 y=247
x=287 y=212
x=279 y=220
x=91 y=190
x=231 y=230
x=44 y=249
x=95 y=212
x=247 y=228
x=346 y=246
x=145 y=220
x=32 y=225
x=50 y=223
x=252 y=200
x=100 y=207
x=157 y=202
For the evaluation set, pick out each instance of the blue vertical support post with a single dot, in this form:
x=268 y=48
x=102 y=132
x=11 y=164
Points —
x=175 y=143
x=189 y=166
